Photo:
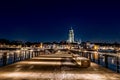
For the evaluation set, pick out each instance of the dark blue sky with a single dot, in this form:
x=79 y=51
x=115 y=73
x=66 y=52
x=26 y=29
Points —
x=50 y=20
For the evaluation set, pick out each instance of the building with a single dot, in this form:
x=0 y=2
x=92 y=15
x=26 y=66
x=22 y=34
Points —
x=71 y=36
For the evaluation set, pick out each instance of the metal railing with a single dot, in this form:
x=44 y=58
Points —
x=9 y=57
x=111 y=61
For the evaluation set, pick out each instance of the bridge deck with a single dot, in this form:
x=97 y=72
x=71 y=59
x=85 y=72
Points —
x=55 y=67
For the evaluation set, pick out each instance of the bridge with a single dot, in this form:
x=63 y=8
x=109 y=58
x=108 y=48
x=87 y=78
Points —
x=53 y=65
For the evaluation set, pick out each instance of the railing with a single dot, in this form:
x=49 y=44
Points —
x=9 y=57
x=108 y=60
x=111 y=61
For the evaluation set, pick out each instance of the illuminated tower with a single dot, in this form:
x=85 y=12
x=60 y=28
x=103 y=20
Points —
x=71 y=36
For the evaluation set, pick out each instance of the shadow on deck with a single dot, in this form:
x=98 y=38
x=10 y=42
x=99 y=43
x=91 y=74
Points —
x=55 y=67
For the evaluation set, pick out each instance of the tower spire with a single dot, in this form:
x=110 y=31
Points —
x=71 y=35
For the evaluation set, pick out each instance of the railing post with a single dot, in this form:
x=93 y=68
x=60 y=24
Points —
x=25 y=55
x=106 y=61
x=14 y=57
x=85 y=54
x=29 y=55
x=20 y=56
x=93 y=56
x=37 y=53
x=32 y=54
x=82 y=53
x=89 y=56
x=98 y=58
x=4 y=58
x=117 y=64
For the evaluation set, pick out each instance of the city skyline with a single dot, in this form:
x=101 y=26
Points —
x=51 y=20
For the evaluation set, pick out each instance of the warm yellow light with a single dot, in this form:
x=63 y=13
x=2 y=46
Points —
x=57 y=76
x=31 y=50
x=96 y=47
x=18 y=51
x=41 y=45
x=45 y=58
x=41 y=63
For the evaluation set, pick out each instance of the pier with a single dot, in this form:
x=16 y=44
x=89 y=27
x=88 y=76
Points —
x=54 y=65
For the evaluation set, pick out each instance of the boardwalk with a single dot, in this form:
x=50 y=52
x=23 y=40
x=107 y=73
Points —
x=59 y=66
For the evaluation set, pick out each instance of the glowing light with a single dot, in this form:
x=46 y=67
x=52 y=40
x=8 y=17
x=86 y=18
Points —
x=96 y=47
x=41 y=45
x=85 y=51
x=42 y=58
x=40 y=63
x=18 y=51
x=31 y=50
x=103 y=59
x=55 y=76
x=112 y=61
x=64 y=73
x=96 y=55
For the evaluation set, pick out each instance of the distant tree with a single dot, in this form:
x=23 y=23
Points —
x=116 y=44
x=16 y=43
x=54 y=42
x=28 y=44
x=4 y=41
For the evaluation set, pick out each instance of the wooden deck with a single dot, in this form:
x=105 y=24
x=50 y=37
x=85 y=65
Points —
x=55 y=67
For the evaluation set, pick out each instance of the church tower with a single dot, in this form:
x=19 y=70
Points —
x=71 y=36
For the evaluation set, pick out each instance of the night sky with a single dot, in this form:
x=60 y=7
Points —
x=50 y=20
